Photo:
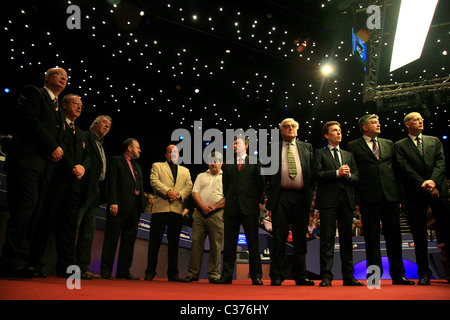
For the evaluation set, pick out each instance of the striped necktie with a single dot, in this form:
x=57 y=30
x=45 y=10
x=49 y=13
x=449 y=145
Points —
x=419 y=145
x=291 y=162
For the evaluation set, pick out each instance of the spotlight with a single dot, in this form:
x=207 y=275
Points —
x=329 y=67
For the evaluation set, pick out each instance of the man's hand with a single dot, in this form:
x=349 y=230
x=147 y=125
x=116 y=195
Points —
x=428 y=185
x=78 y=171
x=172 y=195
x=344 y=171
x=113 y=209
x=57 y=154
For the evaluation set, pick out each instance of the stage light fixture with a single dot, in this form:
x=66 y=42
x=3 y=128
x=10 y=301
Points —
x=413 y=23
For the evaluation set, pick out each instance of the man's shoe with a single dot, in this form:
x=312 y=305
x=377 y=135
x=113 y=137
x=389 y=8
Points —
x=325 y=283
x=276 y=282
x=86 y=276
x=189 y=279
x=257 y=282
x=175 y=278
x=212 y=280
x=149 y=277
x=402 y=281
x=38 y=273
x=352 y=282
x=424 y=281
x=106 y=276
x=304 y=282
x=127 y=277
x=224 y=281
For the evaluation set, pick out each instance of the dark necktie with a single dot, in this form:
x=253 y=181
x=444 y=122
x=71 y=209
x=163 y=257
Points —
x=72 y=127
x=336 y=157
x=375 y=149
x=419 y=145
x=55 y=104
x=136 y=177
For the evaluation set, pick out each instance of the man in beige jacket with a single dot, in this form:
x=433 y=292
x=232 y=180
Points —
x=172 y=184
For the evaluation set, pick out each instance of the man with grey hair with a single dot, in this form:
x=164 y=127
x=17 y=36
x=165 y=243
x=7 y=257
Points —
x=93 y=190
x=422 y=162
x=378 y=196
x=207 y=220
x=289 y=200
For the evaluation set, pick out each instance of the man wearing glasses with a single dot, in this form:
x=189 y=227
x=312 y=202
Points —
x=34 y=150
x=422 y=163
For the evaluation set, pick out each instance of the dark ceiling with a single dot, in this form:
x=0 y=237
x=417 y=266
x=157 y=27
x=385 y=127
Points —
x=230 y=64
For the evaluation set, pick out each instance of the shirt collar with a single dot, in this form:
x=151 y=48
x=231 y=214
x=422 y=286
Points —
x=413 y=138
x=50 y=93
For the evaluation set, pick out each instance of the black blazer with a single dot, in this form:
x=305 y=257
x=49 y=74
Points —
x=39 y=130
x=242 y=189
x=376 y=177
x=92 y=176
x=75 y=152
x=121 y=185
x=324 y=174
x=306 y=156
x=415 y=168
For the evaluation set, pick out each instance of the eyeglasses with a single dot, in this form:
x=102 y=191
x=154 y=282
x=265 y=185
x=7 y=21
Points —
x=62 y=75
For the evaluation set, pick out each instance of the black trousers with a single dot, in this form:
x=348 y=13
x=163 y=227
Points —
x=124 y=226
x=232 y=225
x=343 y=214
x=86 y=229
x=417 y=215
x=158 y=224
x=58 y=218
x=388 y=213
x=292 y=209
x=27 y=190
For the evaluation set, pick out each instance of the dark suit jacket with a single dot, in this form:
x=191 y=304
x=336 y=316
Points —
x=75 y=152
x=39 y=129
x=92 y=176
x=306 y=156
x=324 y=173
x=121 y=185
x=242 y=189
x=416 y=168
x=376 y=177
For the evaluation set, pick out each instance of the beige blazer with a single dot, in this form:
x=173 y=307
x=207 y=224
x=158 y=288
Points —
x=161 y=180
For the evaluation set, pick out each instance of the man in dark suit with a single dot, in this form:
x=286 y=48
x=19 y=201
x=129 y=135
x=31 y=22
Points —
x=243 y=186
x=422 y=163
x=378 y=196
x=59 y=214
x=126 y=202
x=34 y=149
x=93 y=190
x=336 y=173
x=290 y=197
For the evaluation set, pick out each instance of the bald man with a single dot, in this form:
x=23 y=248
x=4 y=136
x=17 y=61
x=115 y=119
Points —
x=34 y=150
x=422 y=163
x=172 y=185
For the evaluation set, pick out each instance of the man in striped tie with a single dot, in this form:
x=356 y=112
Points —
x=289 y=200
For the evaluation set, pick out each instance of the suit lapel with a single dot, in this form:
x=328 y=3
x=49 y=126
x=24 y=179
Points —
x=330 y=156
x=365 y=147
x=414 y=148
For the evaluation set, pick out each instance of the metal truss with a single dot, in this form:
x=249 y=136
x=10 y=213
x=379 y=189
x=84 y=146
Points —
x=412 y=88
